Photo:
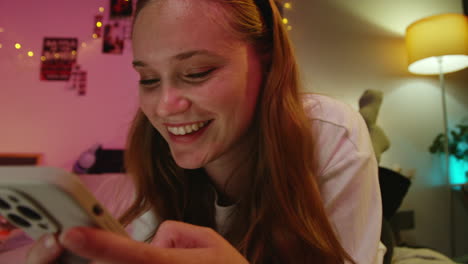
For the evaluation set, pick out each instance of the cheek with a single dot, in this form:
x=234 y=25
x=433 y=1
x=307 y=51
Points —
x=148 y=106
x=145 y=106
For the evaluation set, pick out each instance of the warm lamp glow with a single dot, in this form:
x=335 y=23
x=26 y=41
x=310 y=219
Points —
x=285 y=21
x=30 y=53
x=18 y=46
x=99 y=24
x=435 y=39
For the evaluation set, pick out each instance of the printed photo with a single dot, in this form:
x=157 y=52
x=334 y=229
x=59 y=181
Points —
x=121 y=8
x=114 y=37
x=58 y=57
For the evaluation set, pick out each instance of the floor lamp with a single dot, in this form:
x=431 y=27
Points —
x=437 y=45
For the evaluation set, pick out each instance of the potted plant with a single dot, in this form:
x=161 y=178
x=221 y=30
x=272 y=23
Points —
x=457 y=144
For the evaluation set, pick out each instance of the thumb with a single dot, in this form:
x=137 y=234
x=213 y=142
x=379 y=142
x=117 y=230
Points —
x=172 y=234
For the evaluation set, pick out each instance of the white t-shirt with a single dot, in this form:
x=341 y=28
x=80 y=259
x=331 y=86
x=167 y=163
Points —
x=347 y=178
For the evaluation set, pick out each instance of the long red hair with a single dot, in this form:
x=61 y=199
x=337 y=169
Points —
x=280 y=217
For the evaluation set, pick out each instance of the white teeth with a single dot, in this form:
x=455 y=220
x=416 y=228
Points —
x=187 y=129
x=181 y=131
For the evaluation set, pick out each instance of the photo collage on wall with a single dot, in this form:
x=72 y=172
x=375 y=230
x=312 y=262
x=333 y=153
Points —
x=119 y=26
x=58 y=57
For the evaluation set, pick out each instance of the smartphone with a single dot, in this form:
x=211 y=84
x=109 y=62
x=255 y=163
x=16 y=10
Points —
x=42 y=200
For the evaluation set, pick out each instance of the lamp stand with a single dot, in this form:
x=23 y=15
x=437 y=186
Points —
x=447 y=158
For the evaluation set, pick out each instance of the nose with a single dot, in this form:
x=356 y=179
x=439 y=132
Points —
x=172 y=101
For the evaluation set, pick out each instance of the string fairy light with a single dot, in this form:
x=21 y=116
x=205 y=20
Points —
x=99 y=24
x=287 y=6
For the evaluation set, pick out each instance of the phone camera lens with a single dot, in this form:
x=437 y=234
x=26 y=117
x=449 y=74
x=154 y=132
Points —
x=4 y=205
x=29 y=213
x=18 y=220
x=97 y=210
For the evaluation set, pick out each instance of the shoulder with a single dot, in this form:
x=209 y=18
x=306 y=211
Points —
x=337 y=129
x=333 y=117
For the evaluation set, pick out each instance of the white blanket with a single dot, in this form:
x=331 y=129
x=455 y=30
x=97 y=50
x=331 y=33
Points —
x=403 y=255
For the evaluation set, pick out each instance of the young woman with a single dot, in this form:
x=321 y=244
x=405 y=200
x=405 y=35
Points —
x=224 y=141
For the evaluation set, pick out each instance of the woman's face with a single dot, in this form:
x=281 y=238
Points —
x=199 y=84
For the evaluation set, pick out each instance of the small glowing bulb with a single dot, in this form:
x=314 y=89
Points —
x=287 y=5
x=1 y=30
x=84 y=45
x=1 y=45
x=289 y=27
x=30 y=53
x=18 y=46
x=285 y=21
x=73 y=52
x=101 y=9
x=57 y=56
x=99 y=24
x=94 y=36
x=43 y=58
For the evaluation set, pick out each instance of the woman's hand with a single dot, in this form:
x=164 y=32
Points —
x=174 y=243
x=44 y=251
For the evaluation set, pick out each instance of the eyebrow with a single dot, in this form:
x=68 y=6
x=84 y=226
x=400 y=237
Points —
x=179 y=57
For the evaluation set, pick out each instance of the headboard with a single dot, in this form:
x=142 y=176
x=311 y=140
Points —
x=20 y=159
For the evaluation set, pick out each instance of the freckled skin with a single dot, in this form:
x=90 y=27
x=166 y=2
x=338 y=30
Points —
x=228 y=95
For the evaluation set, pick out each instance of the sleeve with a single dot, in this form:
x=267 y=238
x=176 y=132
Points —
x=349 y=186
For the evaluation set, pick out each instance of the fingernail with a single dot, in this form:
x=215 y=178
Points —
x=50 y=242
x=73 y=238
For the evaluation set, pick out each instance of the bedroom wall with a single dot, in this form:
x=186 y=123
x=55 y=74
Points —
x=46 y=116
x=341 y=52
x=345 y=48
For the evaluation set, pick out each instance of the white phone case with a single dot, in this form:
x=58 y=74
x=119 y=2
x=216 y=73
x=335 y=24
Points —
x=43 y=200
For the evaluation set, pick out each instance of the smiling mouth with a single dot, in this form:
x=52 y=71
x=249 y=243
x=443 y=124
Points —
x=186 y=129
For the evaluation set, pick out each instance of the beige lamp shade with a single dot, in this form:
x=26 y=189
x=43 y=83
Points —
x=440 y=38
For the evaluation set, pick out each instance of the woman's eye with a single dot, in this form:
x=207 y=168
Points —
x=148 y=82
x=200 y=75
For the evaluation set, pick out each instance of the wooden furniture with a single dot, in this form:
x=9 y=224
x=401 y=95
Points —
x=20 y=159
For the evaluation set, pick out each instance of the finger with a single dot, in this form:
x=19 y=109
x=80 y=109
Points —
x=105 y=247
x=45 y=251
x=173 y=234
